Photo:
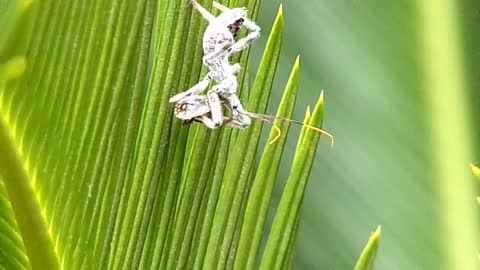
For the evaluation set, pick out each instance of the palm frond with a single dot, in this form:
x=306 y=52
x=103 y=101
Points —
x=99 y=173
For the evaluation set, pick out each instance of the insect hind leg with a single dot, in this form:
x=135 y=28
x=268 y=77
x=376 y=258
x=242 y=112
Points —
x=241 y=121
x=240 y=117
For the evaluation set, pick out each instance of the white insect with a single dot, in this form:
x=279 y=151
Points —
x=218 y=45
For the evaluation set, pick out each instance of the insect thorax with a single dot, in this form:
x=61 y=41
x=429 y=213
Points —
x=216 y=37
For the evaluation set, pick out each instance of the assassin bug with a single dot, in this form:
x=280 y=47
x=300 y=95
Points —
x=218 y=45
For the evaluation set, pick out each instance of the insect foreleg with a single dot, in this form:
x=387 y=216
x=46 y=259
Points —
x=199 y=87
x=219 y=6
x=207 y=122
x=235 y=68
x=207 y=58
x=215 y=107
x=240 y=117
x=244 y=42
x=205 y=13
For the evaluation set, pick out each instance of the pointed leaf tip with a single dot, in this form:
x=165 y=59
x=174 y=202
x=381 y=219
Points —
x=377 y=232
x=367 y=258
x=319 y=105
x=279 y=18
x=297 y=62
x=319 y=109
x=317 y=113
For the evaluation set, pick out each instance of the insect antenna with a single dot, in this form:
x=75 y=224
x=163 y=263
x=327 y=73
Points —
x=205 y=13
x=219 y=6
x=271 y=118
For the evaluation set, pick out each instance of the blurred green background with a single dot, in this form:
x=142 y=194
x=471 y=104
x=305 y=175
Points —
x=401 y=83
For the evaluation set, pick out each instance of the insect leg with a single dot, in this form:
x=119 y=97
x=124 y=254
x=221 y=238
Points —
x=199 y=87
x=205 y=13
x=251 y=37
x=207 y=58
x=215 y=107
x=207 y=122
x=240 y=117
x=235 y=68
x=226 y=90
x=219 y=6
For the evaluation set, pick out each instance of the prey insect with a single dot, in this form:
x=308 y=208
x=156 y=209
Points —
x=218 y=45
x=197 y=108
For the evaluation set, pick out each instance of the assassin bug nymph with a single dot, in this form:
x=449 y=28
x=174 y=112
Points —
x=218 y=45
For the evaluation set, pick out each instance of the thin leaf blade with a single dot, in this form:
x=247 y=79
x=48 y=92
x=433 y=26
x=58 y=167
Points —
x=13 y=255
x=367 y=258
x=241 y=158
x=263 y=184
x=284 y=224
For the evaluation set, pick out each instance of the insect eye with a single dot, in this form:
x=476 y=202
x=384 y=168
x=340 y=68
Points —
x=235 y=26
x=239 y=22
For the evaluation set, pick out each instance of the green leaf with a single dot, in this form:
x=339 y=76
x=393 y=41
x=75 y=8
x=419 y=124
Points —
x=263 y=184
x=240 y=161
x=59 y=114
x=475 y=171
x=13 y=17
x=442 y=57
x=367 y=258
x=98 y=172
x=12 y=254
x=12 y=69
x=283 y=228
x=31 y=223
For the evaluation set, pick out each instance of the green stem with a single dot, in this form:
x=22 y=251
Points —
x=33 y=227
x=450 y=125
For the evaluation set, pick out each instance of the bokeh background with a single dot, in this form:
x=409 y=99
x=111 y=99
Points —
x=402 y=89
